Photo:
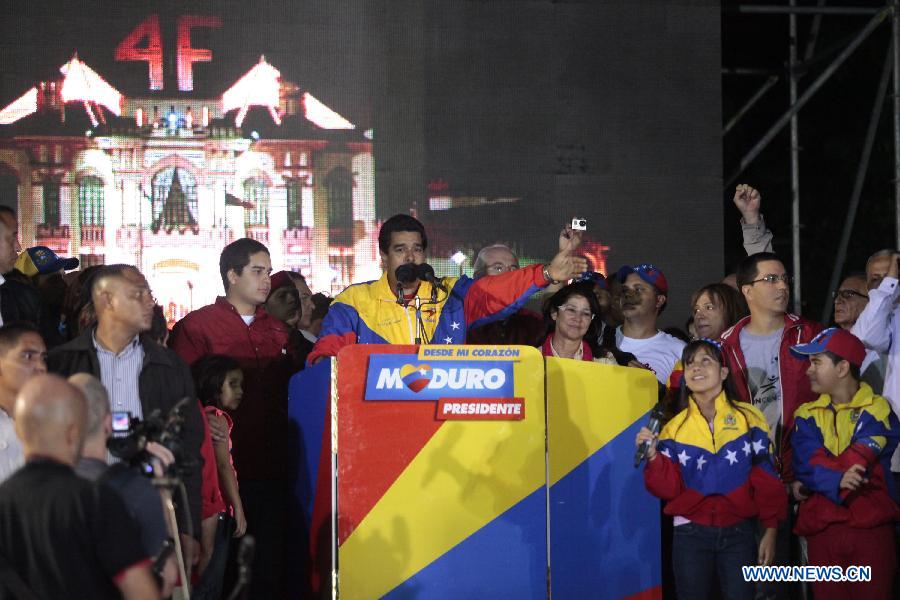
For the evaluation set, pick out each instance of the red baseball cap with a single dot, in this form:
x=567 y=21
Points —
x=279 y=279
x=837 y=341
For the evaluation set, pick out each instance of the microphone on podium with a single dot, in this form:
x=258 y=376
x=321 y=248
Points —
x=425 y=272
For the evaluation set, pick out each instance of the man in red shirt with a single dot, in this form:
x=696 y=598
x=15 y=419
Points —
x=237 y=325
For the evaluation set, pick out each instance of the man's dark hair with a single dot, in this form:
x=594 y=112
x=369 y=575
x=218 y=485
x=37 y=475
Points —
x=12 y=332
x=400 y=223
x=835 y=359
x=4 y=209
x=236 y=255
x=322 y=303
x=748 y=269
x=209 y=375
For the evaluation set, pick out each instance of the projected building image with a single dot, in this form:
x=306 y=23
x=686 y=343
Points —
x=166 y=182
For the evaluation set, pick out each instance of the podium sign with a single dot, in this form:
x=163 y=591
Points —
x=442 y=457
x=441 y=472
x=604 y=525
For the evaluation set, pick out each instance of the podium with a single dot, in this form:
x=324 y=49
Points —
x=470 y=471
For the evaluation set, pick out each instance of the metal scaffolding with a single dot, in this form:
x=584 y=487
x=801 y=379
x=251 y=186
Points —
x=878 y=15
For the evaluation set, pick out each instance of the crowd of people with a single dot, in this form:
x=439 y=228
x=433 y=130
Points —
x=777 y=450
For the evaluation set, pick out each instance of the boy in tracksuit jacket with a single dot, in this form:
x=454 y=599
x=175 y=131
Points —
x=843 y=444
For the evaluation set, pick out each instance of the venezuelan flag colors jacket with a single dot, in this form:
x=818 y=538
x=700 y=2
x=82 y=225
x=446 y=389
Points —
x=794 y=383
x=368 y=313
x=717 y=477
x=830 y=438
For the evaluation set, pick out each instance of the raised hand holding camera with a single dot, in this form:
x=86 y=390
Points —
x=564 y=265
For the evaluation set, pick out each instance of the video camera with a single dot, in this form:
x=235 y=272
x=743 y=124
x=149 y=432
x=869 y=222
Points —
x=131 y=436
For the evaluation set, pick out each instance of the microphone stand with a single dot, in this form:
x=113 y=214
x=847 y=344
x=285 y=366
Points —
x=418 y=304
x=419 y=329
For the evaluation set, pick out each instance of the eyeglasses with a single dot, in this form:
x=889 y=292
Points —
x=847 y=294
x=501 y=268
x=573 y=311
x=773 y=279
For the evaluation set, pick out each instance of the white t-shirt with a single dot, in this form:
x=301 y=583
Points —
x=248 y=319
x=659 y=352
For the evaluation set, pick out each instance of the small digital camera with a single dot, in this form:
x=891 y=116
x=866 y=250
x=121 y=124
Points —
x=579 y=224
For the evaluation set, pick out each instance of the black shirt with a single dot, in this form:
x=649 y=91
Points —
x=142 y=500
x=65 y=536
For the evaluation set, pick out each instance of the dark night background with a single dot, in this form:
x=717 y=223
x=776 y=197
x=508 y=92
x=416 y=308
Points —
x=832 y=128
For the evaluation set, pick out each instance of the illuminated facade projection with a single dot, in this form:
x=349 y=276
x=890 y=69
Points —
x=166 y=183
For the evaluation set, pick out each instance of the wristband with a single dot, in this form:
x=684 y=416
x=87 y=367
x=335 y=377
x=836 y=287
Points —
x=546 y=272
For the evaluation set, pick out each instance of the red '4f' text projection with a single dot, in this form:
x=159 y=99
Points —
x=147 y=34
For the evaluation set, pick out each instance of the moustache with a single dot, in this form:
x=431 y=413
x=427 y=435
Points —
x=630 y=298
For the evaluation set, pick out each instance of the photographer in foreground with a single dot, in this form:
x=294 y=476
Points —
x=141 y=498
x=62 y=536
x=140 y=375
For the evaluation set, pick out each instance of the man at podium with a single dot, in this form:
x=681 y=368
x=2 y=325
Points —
x=408 y=305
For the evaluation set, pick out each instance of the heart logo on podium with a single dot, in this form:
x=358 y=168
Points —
x=415 y=377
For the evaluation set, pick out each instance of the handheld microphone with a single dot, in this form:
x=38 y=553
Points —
x=425 y=272
x=654 y=423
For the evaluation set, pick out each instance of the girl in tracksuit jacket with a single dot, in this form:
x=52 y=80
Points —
x=711 y=464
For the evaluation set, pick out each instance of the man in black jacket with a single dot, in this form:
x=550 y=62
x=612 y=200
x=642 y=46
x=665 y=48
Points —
x=19 y=301
x=140 y=376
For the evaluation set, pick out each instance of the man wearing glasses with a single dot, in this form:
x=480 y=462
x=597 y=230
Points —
x=524 y=326
x=766 y=374
x=757 y=350
x=850 y=299
x=495 y=260
x=139 y=375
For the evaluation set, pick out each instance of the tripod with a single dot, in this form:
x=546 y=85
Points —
x=165 y=485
